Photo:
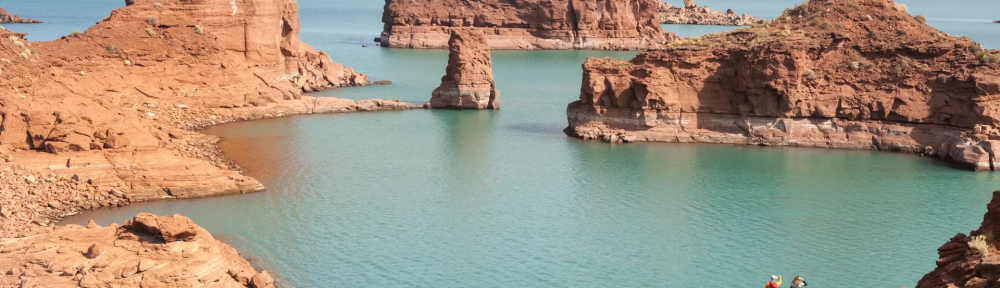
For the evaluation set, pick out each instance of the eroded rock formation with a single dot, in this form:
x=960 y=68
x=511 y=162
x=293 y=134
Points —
x=855 y=74
x=468 y=79
x=526 y=24
x=969 y=260
x=6 y=17
x=106 y=117
x=692 y=14
x=143 y=252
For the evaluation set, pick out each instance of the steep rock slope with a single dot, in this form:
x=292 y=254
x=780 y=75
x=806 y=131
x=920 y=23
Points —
x=854 y=74
x=526 y=24
x=468 y=80
x=969 y=260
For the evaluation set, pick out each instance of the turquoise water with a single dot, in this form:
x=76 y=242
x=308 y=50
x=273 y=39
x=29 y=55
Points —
x=504 y=199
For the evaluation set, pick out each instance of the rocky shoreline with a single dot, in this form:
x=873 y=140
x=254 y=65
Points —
x=6 y=17
x=526 y=24
x=692 y=14
x=969 y=260
x=824 y=74
x=109 y=117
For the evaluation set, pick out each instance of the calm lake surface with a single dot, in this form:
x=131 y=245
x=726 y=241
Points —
x=504 y=199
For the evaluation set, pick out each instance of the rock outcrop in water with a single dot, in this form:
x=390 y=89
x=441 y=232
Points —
x=855 y=74
x=468 y=80
x=6 y=17
x=106 y=117
x=526 y=24
x=969 y=260
x=692 y=14
x=143 y=252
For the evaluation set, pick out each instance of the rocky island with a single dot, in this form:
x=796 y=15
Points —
x=106 y=117
x=468 y=80
x=526 y=24
x=6 y=17
x=691 y=13
x=834 y=74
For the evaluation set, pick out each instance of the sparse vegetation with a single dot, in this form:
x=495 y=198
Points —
x=902 y=66
x=152 y=20
x=150 y=31
x=921 y=19
x=157 y=5
x=901 y=32
x=810 y=74
x=988 y=58
x=75 y=34
x=978 y=244
x=3 y=29
x=112 y=48
x=902 y=7
x=825 y=25
x=198 y=29
x=760 y=37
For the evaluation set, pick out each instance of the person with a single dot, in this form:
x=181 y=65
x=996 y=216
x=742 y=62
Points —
x=798 y=282
x=775 y=282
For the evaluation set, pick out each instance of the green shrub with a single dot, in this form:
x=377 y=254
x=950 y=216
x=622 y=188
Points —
x=921 y=19
x=198 y=29
x=152 y=20
x=75 y=34
x=156 y=5
x=150 y=31
x=112 y=48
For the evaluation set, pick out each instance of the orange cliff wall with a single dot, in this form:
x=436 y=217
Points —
x=866 y=75
x=527 y=24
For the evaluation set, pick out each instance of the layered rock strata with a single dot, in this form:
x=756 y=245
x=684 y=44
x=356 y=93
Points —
x=147 y=251
x=855 y=74
x=691 y=13
x=107 y=117
x=468 y=80
x=969 y=260
x=526 y=24
x=6 y=17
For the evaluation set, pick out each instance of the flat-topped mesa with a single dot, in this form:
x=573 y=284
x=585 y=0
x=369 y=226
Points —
x=692 y=14
x=526 y=24
x=969 y=260
x=854 y=74
x=6 y=17
x=468 y=80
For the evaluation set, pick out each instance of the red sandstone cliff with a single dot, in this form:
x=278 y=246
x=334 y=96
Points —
x=969 y=261
x=468 y=80
x=106 y=118
x=855 y=74
x=526 y=24
x=690 y=13
x=6 y=17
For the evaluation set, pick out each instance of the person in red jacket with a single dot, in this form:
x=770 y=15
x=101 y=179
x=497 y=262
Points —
x=775 y=282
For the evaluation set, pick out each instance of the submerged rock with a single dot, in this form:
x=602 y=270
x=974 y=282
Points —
x=852 y=74
x=468 y=80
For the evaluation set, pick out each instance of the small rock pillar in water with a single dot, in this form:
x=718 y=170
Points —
x=468 y=80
